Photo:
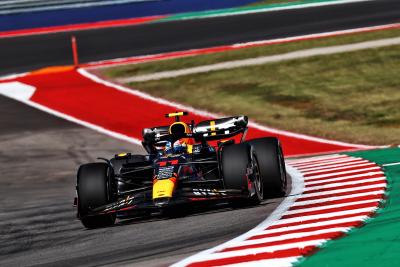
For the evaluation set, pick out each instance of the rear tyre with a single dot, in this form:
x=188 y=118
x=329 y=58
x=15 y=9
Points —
x=94 y=190
x=272 y=165
x=239 y=165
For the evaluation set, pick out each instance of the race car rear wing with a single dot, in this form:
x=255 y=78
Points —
x=221 y=128
x=204 y=131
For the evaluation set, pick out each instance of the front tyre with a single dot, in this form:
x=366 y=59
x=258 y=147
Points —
x=94 y=190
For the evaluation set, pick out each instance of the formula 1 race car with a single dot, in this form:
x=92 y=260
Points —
x=186 y=163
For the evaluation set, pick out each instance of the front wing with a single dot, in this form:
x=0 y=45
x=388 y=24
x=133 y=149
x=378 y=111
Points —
x=143 y=201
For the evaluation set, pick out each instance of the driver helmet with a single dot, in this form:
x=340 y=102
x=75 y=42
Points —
x=181 y=144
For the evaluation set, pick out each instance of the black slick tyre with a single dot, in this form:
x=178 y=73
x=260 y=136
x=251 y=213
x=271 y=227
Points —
x=236 y=161
x=94 y=191
x=272 y=165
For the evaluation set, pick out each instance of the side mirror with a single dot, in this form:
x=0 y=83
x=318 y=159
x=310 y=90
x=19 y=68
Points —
x=148 y=135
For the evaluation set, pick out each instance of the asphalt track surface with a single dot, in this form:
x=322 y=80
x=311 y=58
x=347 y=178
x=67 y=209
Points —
x=27 y=53
x=39 y=155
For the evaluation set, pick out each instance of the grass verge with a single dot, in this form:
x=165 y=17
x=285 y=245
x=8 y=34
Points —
x=187 y=62
x=351 y=97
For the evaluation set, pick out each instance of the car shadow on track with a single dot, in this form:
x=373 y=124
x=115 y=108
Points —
x=190 y=211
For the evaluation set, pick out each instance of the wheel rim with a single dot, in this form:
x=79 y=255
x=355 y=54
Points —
x=283 y=171
x=257 y=178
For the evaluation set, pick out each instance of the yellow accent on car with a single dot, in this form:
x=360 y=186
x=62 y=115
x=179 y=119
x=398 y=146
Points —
x=190 y=149
x=175 y=114
x=212 y=127
x=163 y=188
x=122 y=154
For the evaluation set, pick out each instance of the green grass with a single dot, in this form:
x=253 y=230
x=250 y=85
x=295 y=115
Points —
x=351 y=97
x=137 y=69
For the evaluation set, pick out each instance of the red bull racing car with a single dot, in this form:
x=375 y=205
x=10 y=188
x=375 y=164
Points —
x=186 y=163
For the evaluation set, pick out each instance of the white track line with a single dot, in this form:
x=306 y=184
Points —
x=338 y=191
x=303 y=219
x=318 y=157
x=307 y=164
x=333 y=178
x=284 y=237
x=301 y=202
x=293 y=162
x=333 y=185
x=327 y=163
x=333 y=165
x=333 y=169
x=305 y=226
x=313 y=177
x=320 y=208
x=368 y=174
x=299 y=163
